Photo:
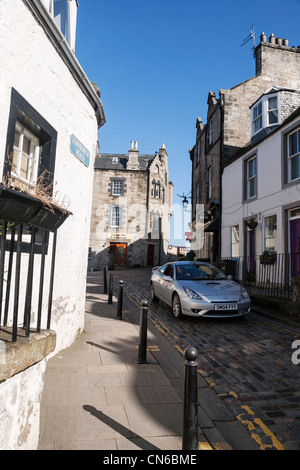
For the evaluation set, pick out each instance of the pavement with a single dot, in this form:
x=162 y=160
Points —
x=98 y=397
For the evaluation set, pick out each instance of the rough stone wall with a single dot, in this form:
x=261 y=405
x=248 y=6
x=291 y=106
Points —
x=136 y=203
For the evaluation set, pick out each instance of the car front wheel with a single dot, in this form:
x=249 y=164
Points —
x=176 y=306
x=152 y=293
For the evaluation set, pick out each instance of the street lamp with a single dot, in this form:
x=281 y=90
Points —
x=185 y=198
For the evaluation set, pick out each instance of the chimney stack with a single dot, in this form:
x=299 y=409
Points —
x=133 y=157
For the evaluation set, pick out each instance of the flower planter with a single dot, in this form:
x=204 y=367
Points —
x=264 y=260
x=17 y=206
x=21 y=208
x=48 y=218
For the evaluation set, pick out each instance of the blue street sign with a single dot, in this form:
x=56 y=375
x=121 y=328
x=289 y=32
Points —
x=80 y=151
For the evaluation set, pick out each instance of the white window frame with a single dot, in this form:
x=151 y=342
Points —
x=72 y=6
x=293 y=156
x=273 y=110
x=235 y=241
x=257 y=119
x=268 y=237
x=115 y=216
x=261 y=111
x=117 y=188
x=32 y=157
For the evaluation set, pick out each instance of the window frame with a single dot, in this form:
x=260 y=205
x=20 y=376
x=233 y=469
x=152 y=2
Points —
x=32 y=158
x=115 y=217
x=24 y=113
x=246 y=160
x=293 y=156
x=264 y=114
x=234 y=244
x=265 y=237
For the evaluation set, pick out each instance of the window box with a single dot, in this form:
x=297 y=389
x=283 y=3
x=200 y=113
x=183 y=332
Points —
x=22 y=208
x=268 y=257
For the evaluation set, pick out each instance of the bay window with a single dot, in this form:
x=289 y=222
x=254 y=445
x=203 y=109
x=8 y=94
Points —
x=265 y=113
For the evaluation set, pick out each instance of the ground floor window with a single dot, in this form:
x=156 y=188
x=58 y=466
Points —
x=235 y=241
x=25 y=155
x=270 y=233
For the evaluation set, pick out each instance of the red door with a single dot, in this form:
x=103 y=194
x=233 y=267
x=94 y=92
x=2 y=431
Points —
x=295 y=247
x=121 y=253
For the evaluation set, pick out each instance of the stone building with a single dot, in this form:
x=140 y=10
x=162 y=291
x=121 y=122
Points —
x=227 y=130
x=131 y=209
x=50 y=115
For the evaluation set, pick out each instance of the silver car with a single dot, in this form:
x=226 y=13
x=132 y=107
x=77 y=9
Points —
x=198 y=289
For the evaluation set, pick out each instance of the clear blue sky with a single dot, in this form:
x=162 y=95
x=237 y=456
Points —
x=156 y=61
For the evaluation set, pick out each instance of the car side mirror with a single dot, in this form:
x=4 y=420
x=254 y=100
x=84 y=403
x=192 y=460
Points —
x=229 y=277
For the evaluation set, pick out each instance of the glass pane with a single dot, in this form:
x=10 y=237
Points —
x=61 y=16
x=271 y=233
x=272 y=103
x=24 y=167
x=273 y=117
x=293 y=144
x=252 y=187
x=252 y=167
x=295 y=167
x=26 y=145
x=15 y=159
x=258 y=124
x=17 y=138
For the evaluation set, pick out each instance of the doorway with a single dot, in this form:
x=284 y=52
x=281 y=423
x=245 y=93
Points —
x=150 y=255
x=118 y=253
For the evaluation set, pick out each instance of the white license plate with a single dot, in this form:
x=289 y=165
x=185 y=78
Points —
x=225 y=307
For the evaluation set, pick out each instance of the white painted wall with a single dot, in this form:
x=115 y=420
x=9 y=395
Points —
x=31 y=65
x=271 y=195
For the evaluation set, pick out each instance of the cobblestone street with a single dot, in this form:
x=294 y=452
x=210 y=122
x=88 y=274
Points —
x=246 y=362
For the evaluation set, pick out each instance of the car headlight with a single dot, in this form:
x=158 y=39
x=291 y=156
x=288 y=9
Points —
x=244 y=293
x=192 y=294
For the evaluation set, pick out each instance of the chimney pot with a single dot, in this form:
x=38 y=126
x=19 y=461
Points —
x=136 y=145
x=286 y=42
x=272 y=39
x=279 y=41
x=263 y=37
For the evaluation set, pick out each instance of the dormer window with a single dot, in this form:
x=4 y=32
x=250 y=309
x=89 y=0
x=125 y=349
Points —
x=265 y=113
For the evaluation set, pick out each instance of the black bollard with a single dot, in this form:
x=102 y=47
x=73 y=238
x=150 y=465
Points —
x=142 y=353
x=110 y=289
x=190 y=412
x=104 y=280
x=120 y=301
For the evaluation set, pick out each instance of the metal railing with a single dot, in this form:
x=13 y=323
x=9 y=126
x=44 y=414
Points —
x=264 y=277
x=17 y=264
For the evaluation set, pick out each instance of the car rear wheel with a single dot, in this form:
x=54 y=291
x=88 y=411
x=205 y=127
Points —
x=176 y=306
x=152 y=293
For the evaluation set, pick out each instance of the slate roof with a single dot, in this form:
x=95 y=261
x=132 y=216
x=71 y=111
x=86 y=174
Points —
x=111 y=161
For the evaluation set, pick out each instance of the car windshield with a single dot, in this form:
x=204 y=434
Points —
x=198 y=272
